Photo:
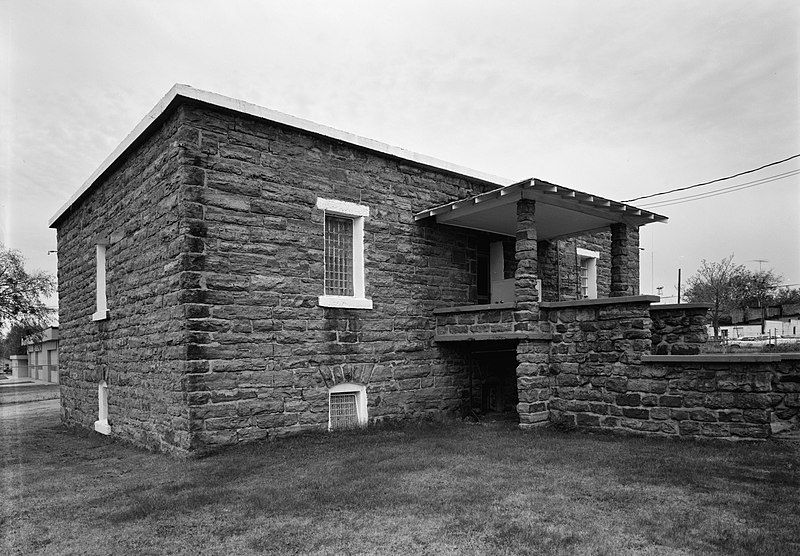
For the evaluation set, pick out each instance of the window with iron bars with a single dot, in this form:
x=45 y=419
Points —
x=338 y=255
x=343 y=411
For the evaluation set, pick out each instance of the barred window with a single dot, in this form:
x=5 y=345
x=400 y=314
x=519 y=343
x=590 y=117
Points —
x=344 y=413
x=338 y=255
x=343 y=283
x=347 y=406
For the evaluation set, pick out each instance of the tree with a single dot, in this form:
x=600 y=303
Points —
x=754 y=288
x=715 y=283
x=11 y=343
x=787 y=296
x=21 y=293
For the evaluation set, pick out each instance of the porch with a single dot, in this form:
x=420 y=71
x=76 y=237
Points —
x=553 y=244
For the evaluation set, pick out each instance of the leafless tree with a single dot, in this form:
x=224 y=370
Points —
x=714 y=283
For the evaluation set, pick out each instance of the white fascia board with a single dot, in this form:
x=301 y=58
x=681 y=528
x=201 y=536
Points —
x=342 y=208
x=587 y=253
x=247 y=108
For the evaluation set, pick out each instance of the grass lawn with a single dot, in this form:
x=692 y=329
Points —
x=425 y=489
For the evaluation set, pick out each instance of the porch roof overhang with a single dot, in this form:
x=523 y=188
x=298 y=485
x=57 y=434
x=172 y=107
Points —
x=560 y=211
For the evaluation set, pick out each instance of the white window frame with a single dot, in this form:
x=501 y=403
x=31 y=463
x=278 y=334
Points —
x=593 y=257
x=101 y=425
x=361 y=401
x=358 y=213
x=101 y=301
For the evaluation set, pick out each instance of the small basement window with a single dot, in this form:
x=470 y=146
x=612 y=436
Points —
x=347 y=406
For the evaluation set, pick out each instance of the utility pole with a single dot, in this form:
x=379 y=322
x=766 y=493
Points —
x=759 y=261
x=679 y=286
x=761 y=306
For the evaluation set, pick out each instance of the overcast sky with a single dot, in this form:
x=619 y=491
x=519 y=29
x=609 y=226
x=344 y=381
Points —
x=615 y=98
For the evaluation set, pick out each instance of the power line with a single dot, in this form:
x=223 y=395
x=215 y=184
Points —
x=721 y=191
x=759 y=181
x=713 y=181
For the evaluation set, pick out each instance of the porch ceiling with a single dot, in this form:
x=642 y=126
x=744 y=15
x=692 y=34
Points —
x=560 y=211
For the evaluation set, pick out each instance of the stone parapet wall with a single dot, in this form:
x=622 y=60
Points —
x=598 y=373
x=594 y=343
x=721 y=396
x=679 y=329
x=478 y=321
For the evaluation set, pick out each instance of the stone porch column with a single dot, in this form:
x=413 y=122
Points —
x=533 y=380
x=620 y=261
x=525 y=291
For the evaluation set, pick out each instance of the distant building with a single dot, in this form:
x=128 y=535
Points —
x=43 y=354
x=781 y=320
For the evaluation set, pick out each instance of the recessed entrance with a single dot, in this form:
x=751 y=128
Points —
x=493 y=382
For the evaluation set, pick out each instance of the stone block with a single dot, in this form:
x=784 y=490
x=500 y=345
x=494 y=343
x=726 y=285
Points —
x=636 y=413
x=587 y=420
x=703 y=415
x=628 y=399
x=749 y=430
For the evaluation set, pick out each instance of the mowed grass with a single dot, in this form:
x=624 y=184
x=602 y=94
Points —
x=420 y=489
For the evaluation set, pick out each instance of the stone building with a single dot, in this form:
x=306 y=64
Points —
x=231 y=273
x=42 y=351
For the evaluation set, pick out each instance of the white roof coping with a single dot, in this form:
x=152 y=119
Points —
x=240 y=106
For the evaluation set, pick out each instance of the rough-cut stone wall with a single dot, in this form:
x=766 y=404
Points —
x=602 y=376
x=734 y=396
x=679 y=329
x=262 y=353
x=139 y=350
x=594 y=345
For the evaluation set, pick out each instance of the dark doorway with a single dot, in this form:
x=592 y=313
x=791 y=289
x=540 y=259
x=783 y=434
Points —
x=493 y=392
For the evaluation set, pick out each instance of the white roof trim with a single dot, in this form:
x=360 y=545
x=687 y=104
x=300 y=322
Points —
x=541 y=190
x=274 y=116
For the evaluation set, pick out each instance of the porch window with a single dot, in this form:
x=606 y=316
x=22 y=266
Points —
x=587 y=277
x=344 y=283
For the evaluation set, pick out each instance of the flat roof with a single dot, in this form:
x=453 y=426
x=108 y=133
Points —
x=184 y=92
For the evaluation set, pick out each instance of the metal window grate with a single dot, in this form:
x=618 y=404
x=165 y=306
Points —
x=338 y=255
x=343 y=410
